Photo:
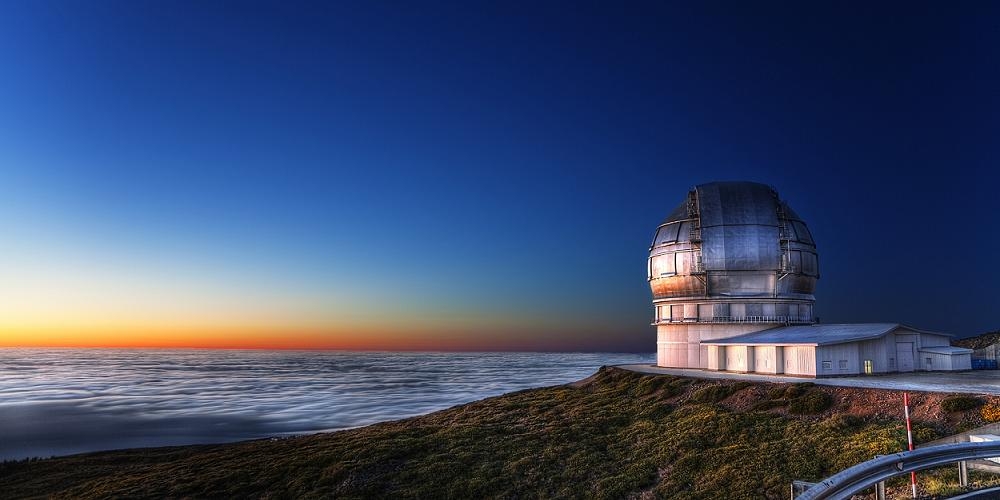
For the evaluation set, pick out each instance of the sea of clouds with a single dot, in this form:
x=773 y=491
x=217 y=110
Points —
x=65 y=401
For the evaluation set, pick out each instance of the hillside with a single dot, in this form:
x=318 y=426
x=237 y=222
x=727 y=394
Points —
x=979 y=341
x=618 y=434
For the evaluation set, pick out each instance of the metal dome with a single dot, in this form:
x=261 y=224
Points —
x=733 y=240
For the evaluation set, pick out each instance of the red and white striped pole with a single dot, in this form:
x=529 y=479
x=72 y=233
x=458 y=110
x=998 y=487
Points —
x=909 y=440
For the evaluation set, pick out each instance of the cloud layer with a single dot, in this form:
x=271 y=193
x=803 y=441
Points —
x=64 y=401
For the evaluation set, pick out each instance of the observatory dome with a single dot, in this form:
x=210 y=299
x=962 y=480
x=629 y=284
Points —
x=733 y=269
x=737 y=249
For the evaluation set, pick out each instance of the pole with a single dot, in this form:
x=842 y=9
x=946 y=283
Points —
x=879 y=487
x=909 y=440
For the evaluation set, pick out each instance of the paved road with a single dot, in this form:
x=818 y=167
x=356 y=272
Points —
x=974 y=382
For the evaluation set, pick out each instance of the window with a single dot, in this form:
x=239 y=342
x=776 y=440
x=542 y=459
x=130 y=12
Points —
x=662 y=265
x=828 y=365
x=676 y=313
x=802 y=232
x=667 y=234
x=843 y=364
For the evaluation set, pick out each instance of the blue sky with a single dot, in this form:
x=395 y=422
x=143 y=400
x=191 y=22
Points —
x=488 y=173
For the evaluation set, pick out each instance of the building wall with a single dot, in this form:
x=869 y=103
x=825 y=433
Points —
x=739 y=358
x=931 y=340
x=716 y=357
x=678 y=345
x=799 y=360
x=840 y=359
x=877 y=351
x=961 y=362
x=930 y=361
x=768 y=359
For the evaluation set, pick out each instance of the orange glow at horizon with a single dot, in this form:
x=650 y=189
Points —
x=454 y=337
x=69 y=289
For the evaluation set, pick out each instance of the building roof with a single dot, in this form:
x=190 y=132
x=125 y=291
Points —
x=946 y=349
x=818 y=334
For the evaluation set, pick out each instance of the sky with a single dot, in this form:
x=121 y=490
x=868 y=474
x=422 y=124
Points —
x=476 y=176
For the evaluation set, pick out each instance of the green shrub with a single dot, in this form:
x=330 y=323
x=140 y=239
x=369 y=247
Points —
x=790 y=391
x=960 y=403
x=716 y=393
x=767 y=404
x=844 y=421
x=924 y=432
x=777 y=392
x=812 y=402
x=711 y=394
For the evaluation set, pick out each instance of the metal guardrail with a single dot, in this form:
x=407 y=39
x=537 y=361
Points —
x=852 y=481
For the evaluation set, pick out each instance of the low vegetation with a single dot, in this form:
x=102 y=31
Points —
x=812 y=402
x=718 y=392
x=618 y=435
x=960 y=403
x=991 y=412
x=800 y=399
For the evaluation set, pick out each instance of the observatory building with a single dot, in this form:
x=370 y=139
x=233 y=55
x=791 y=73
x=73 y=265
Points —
x=733 y=270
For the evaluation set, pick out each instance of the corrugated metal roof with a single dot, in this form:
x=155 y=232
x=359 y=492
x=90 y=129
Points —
x=821 y=334
x=944 y=349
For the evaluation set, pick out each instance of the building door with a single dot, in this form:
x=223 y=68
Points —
x=904 y=356
x=868 y=367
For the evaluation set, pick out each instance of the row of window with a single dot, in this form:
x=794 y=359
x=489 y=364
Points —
x=828 y=365
x=842 y=364
x=673 y=263
x=682 y=231
x=710 y=312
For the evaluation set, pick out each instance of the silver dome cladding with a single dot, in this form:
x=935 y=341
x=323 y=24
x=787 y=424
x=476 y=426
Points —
x=733 y=239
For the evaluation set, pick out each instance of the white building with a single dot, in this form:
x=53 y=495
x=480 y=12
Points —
x=733 y=270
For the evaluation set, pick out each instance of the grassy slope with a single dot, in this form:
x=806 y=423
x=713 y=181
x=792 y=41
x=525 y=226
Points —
x=620 y=434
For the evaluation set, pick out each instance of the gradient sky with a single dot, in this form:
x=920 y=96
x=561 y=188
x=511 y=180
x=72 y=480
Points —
x=476 y=176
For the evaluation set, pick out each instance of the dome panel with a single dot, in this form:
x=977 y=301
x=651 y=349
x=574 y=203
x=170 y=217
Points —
x=679 y=213
x=741 y=248
x=734 y=239
x=735 y=203
x=677 y=286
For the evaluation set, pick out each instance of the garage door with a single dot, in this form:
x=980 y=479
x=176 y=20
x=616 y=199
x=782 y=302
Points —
x=904 y=356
